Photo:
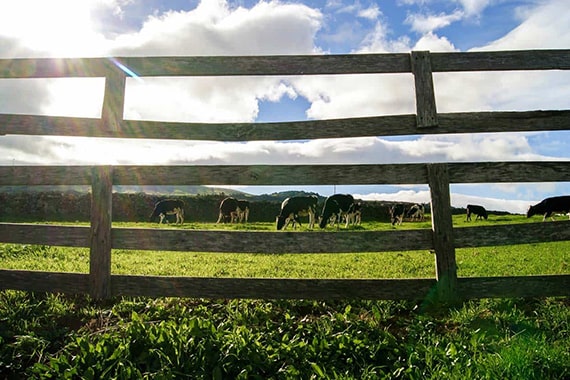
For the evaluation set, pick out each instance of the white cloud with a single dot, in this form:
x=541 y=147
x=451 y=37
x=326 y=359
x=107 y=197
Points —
x=429 y=23
x=371 y=13
x=545 y=25
x=474 y=8
x=215 y=29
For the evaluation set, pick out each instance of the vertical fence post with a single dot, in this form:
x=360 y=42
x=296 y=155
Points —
x=100 y=236
x=426 y=111
x=442 y=227
x=113 y=100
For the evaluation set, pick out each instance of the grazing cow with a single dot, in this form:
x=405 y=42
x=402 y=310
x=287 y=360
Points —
x=338 y=205
x=293 y=207
x=243 y=211
x=354 y=214
x=168 y=207
x=416 y=213
x=397 y=214
x=477 y=210
x=549 y=206
x=228 y=210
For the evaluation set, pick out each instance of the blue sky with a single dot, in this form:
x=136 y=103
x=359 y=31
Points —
x=90 y=28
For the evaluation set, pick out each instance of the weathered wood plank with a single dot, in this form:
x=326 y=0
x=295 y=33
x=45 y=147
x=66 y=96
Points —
x=100 y=235
x=208 y=66
x=284 y=65
x=479 y=172
x=284 y=242
x=258 y=288
x=499 y=172
x=54 y=67
x=502 y=60
x=271 y=242
x=507 y=121
x=113 y=101
x=488 y=236
x=398 y=125
x=442 y=227
x=426 y=110
x=269 y=65
x=270 y=174
x=53 y=282
x=45 y=175
x=65 y=236
x=523 y=286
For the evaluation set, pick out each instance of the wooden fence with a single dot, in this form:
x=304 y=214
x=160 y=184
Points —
x=442 y=239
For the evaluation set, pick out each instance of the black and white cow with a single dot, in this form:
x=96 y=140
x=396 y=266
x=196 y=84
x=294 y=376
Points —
x=293 y=207
x=243 y=210
x=228 y=210
x=477 y=210
x=416 y=213
x=549 y=206
x=397 y=213
x=337 y=205
x=354 y=215
x=168 y=207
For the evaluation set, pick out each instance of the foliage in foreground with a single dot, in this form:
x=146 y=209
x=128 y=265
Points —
x=51 y=336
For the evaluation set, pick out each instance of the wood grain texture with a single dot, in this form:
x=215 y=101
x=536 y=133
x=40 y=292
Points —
x=426 y=110
x=113 y=101
x=397 y=125
x=502 y=60
x=284 y=65
x=510 y=287
x=488 y=236
x=499 y=172
x=277 y=242
x=365 y=174
x=45 y=175
x=270 y=174
x=100 y=234
x=265 y=288
x=442 y=227
x=65 y=236
x=52 y=282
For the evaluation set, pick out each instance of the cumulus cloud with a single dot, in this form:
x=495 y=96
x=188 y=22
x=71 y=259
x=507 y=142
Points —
x=212 y=28
x=544 y=26
x=429 y=23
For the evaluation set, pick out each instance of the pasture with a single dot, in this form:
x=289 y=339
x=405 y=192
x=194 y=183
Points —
x=513 y=260
x=49 y=335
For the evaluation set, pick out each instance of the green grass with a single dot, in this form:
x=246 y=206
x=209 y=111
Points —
x=524 y=259
x=50 y=336
x=54 y=336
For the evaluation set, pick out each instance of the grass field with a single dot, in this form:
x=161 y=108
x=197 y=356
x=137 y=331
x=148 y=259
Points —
x=524 y=259
x=73 y=337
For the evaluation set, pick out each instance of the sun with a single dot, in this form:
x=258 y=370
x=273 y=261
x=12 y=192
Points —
x=56 y=28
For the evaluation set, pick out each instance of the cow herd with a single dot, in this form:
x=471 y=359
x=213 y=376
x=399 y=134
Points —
x=340 y=208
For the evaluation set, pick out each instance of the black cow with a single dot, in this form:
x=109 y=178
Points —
x=243 y=210
x=354 y=215
x=416 y=213
x=397 y=213
x=293 y=207
x=168 y=207
x=228 y=210
x=549 y=206
x=338 y=205
x=477 y=210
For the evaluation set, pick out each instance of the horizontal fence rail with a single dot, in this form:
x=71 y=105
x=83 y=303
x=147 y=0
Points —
x=283 y=242
x=283 y=65
x=442 y=240
x=366 y=174
x=398 y=125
